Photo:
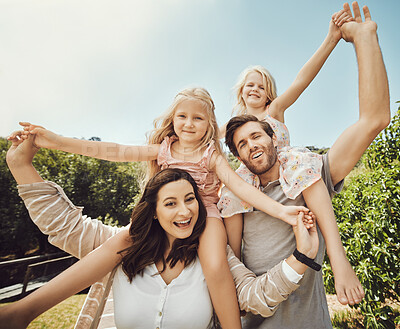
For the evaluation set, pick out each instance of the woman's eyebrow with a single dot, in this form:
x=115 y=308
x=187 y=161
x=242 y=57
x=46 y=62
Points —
x=169 y=198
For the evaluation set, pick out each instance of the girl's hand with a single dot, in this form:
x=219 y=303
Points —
x=289 y=214
x=338 y=19
x=43 y=137
x=306 y=239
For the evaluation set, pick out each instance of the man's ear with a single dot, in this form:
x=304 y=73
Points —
x=274 y=140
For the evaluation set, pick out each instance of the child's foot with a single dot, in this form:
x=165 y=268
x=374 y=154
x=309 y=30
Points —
x=348 y=288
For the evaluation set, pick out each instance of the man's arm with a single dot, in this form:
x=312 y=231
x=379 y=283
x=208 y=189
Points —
x=263 y=294
x=374 y=107
x=259 y=294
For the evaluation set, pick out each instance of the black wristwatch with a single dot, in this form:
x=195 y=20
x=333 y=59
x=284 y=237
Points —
x=305 y=260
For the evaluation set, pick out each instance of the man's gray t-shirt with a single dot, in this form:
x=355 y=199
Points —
x=266 y=241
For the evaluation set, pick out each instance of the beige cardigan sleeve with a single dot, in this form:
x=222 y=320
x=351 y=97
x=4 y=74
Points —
x=259 y=294
x=56 y=216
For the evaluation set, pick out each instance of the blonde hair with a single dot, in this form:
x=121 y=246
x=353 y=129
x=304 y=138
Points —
x=164 y=125
x=268 y=82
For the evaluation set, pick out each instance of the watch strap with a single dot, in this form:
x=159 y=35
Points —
x=306 y=260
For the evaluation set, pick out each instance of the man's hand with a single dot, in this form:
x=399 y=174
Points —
x=306 y=239
x=354 y=29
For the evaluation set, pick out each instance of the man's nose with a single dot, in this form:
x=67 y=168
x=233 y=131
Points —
x=252 y=144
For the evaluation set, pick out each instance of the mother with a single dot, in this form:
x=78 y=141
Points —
x=161 y=245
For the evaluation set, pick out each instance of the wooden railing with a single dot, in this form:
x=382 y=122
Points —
x=19 y=290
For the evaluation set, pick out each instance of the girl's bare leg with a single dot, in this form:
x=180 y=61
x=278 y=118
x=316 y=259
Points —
x=212 y=254
x=348 y=287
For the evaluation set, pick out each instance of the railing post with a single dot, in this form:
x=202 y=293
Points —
x=26 y=280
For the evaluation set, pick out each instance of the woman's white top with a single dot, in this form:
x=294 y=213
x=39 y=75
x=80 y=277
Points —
x=148 y=302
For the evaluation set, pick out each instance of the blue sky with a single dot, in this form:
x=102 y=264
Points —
x=108 y=68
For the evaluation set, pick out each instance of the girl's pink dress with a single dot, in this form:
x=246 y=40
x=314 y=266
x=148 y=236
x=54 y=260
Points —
x=207 y=181
x=299 y=169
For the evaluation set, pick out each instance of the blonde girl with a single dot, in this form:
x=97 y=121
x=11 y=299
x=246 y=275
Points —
x=300 y=169
x=186 y=137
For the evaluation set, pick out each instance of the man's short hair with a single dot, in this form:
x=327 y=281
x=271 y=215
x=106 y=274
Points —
x=237 y=122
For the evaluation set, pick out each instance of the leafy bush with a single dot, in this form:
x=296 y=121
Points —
x=368 y=214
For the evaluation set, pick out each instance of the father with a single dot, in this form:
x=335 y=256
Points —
x=266 y=240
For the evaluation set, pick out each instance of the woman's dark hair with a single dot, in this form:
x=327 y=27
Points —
x=149 y=240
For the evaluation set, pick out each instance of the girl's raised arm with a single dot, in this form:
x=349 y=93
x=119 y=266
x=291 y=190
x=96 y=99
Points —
x=309 y=71
x=252 y=195
x=79 y=276
x=100 y=150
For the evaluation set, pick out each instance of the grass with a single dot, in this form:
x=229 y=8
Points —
x=347 y=320
x=62 y=316
x=353 y=319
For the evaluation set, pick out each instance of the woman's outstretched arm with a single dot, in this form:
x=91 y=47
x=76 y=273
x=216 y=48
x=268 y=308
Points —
x=79 y=276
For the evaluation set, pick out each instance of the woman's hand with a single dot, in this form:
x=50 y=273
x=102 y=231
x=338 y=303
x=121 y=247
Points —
x=19 y=158
x=306 y=239
x=22 y=150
